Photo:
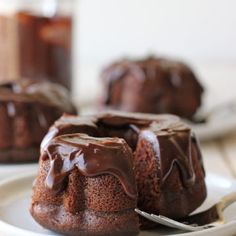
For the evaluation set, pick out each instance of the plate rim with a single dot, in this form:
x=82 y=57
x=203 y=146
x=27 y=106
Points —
x=9 y=228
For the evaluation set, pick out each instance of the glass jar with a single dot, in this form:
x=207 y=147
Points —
x=35 y=40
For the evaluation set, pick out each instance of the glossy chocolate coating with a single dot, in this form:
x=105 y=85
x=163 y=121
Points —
x=152 y=85
x=166 y=132
x=92 y=157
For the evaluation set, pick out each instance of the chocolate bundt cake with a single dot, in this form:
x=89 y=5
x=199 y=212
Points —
x=27 y=109
x=90 y=168
x=152 y=85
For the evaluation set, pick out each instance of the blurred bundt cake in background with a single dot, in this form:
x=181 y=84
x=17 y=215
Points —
x=152 y=85
x=27 y=109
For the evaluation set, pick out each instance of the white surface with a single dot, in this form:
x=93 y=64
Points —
x=8 y=170
x=15 y=219
x=195 y=30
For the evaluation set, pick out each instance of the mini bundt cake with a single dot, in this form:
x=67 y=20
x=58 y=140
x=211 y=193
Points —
x=91 y=166
x=152 y=85
x=90 y=187
x=27 y=109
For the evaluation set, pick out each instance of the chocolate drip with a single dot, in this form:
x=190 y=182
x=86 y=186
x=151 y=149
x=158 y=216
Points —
x=150 y=130
x=183 y=161
x=92 y=157
x=62 y=161
x=48 y=137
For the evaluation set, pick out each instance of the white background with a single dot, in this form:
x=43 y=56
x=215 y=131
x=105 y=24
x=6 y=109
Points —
x=192 y=29
x=201 y=32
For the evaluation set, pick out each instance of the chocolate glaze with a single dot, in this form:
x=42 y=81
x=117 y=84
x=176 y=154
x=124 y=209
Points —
x=177 y=149
x=148 y=69
x=27 y=90
x=70 y=124
x=183 y=159
x=166 y=133
x=92 y=157
x=162 y=86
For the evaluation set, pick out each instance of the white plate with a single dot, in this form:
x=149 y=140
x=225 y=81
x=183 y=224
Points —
x=15 y=219
x=8 y=170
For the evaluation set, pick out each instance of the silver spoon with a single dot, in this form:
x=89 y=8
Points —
x=192 y=223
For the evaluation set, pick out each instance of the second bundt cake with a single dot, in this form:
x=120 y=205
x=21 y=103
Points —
x=152 y=85
x=27 y=109
x=91 y=166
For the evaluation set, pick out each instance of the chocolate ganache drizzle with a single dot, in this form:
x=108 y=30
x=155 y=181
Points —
x=183 y=159
x=94 y=155
x=176 y=147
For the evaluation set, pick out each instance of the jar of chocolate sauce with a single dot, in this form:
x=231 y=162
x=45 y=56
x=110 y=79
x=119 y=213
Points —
x=35 y=40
